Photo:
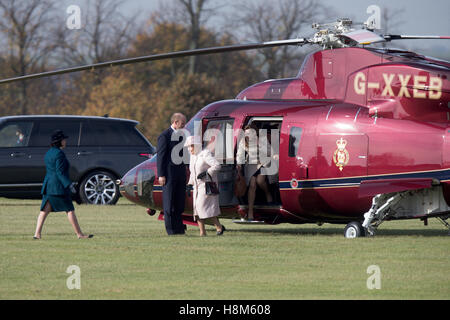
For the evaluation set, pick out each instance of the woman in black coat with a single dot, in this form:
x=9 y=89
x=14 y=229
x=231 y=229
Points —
x=56 y=189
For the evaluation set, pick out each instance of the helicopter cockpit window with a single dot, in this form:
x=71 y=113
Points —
x=295 y=135
x=15 y=134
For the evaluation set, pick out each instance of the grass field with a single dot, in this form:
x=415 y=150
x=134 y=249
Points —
x=131 y=257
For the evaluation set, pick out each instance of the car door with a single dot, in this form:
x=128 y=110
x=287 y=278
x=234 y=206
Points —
x=15 y=158
x=40 y=144
x=109 y=148
x=118 y=150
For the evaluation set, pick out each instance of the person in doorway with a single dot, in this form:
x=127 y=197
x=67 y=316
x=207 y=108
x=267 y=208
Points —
x=248 y=158
x=203 y=167
x=57 y=187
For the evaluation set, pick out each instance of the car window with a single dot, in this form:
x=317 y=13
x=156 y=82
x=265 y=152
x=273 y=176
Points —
x=134 y=137
x=47 y=127
x=15 y=134
x=111 y=133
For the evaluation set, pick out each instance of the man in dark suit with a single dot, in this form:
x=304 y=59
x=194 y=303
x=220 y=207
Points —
x=172 y=175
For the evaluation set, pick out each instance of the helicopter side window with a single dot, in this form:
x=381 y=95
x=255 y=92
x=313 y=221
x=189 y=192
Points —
x=295 y=135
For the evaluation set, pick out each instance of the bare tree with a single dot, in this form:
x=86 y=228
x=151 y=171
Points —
x=284 y=19
x=194 y=8
x=26 y=35
x=105 y=34
x=191 y=14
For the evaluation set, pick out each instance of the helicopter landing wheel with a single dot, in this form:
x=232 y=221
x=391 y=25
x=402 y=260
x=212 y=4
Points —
x=354 y=230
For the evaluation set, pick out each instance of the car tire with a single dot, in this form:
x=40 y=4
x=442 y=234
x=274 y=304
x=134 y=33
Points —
x=99 y=187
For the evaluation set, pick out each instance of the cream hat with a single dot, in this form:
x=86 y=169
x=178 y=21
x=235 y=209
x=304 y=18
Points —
x=192 y=140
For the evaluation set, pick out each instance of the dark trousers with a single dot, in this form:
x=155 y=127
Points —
x=174 y=193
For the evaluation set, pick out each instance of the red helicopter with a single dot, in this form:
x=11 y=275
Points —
x=363 y=135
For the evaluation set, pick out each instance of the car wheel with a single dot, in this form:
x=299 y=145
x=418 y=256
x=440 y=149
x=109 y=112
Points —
x=99 y=187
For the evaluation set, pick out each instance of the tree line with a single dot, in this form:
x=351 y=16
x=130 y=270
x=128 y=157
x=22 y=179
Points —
x=34 y=38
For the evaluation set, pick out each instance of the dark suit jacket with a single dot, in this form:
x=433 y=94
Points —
x=56 y=181
x=166 y=167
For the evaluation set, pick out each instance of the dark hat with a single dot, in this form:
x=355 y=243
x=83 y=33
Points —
x=58 y=135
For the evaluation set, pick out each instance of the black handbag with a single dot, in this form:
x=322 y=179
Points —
x=210 y=186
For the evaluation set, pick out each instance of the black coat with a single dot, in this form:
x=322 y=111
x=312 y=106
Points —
x=174 y=191
x=168 y=167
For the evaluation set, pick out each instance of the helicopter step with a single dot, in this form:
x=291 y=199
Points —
x=246 y=221
x=411 y=204
x=259 y=210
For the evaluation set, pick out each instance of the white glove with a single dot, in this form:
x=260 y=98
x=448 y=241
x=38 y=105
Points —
x=72 y=187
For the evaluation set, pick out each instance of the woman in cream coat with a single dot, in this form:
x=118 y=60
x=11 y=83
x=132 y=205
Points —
x=205 y=206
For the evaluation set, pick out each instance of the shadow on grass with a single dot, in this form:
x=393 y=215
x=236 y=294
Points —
x=38 y=203
x=21 y=205
x=340 y=232
x=275 y=232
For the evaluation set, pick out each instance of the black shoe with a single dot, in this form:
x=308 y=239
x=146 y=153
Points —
x=219 y=233
x=176 y=234
x=88 y=237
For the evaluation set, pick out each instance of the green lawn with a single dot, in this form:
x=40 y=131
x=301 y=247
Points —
x=131 y=257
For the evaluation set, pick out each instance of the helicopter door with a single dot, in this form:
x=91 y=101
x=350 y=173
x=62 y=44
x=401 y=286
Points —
x=221 y=131
x=290 y=152
x=269 y=135
x=294 y=169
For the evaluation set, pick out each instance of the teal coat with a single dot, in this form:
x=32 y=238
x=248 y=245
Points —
x=56 y=181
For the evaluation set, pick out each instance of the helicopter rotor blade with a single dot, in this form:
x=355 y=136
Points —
x=363 y=36
x=389 y=37
x=170 y=55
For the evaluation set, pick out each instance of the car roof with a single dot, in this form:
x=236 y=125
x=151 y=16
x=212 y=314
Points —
x=32 y=117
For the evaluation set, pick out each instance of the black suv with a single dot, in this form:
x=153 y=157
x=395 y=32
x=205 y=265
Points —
x=99 y=149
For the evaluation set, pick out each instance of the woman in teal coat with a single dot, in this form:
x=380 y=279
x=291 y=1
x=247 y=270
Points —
x=56 y=189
